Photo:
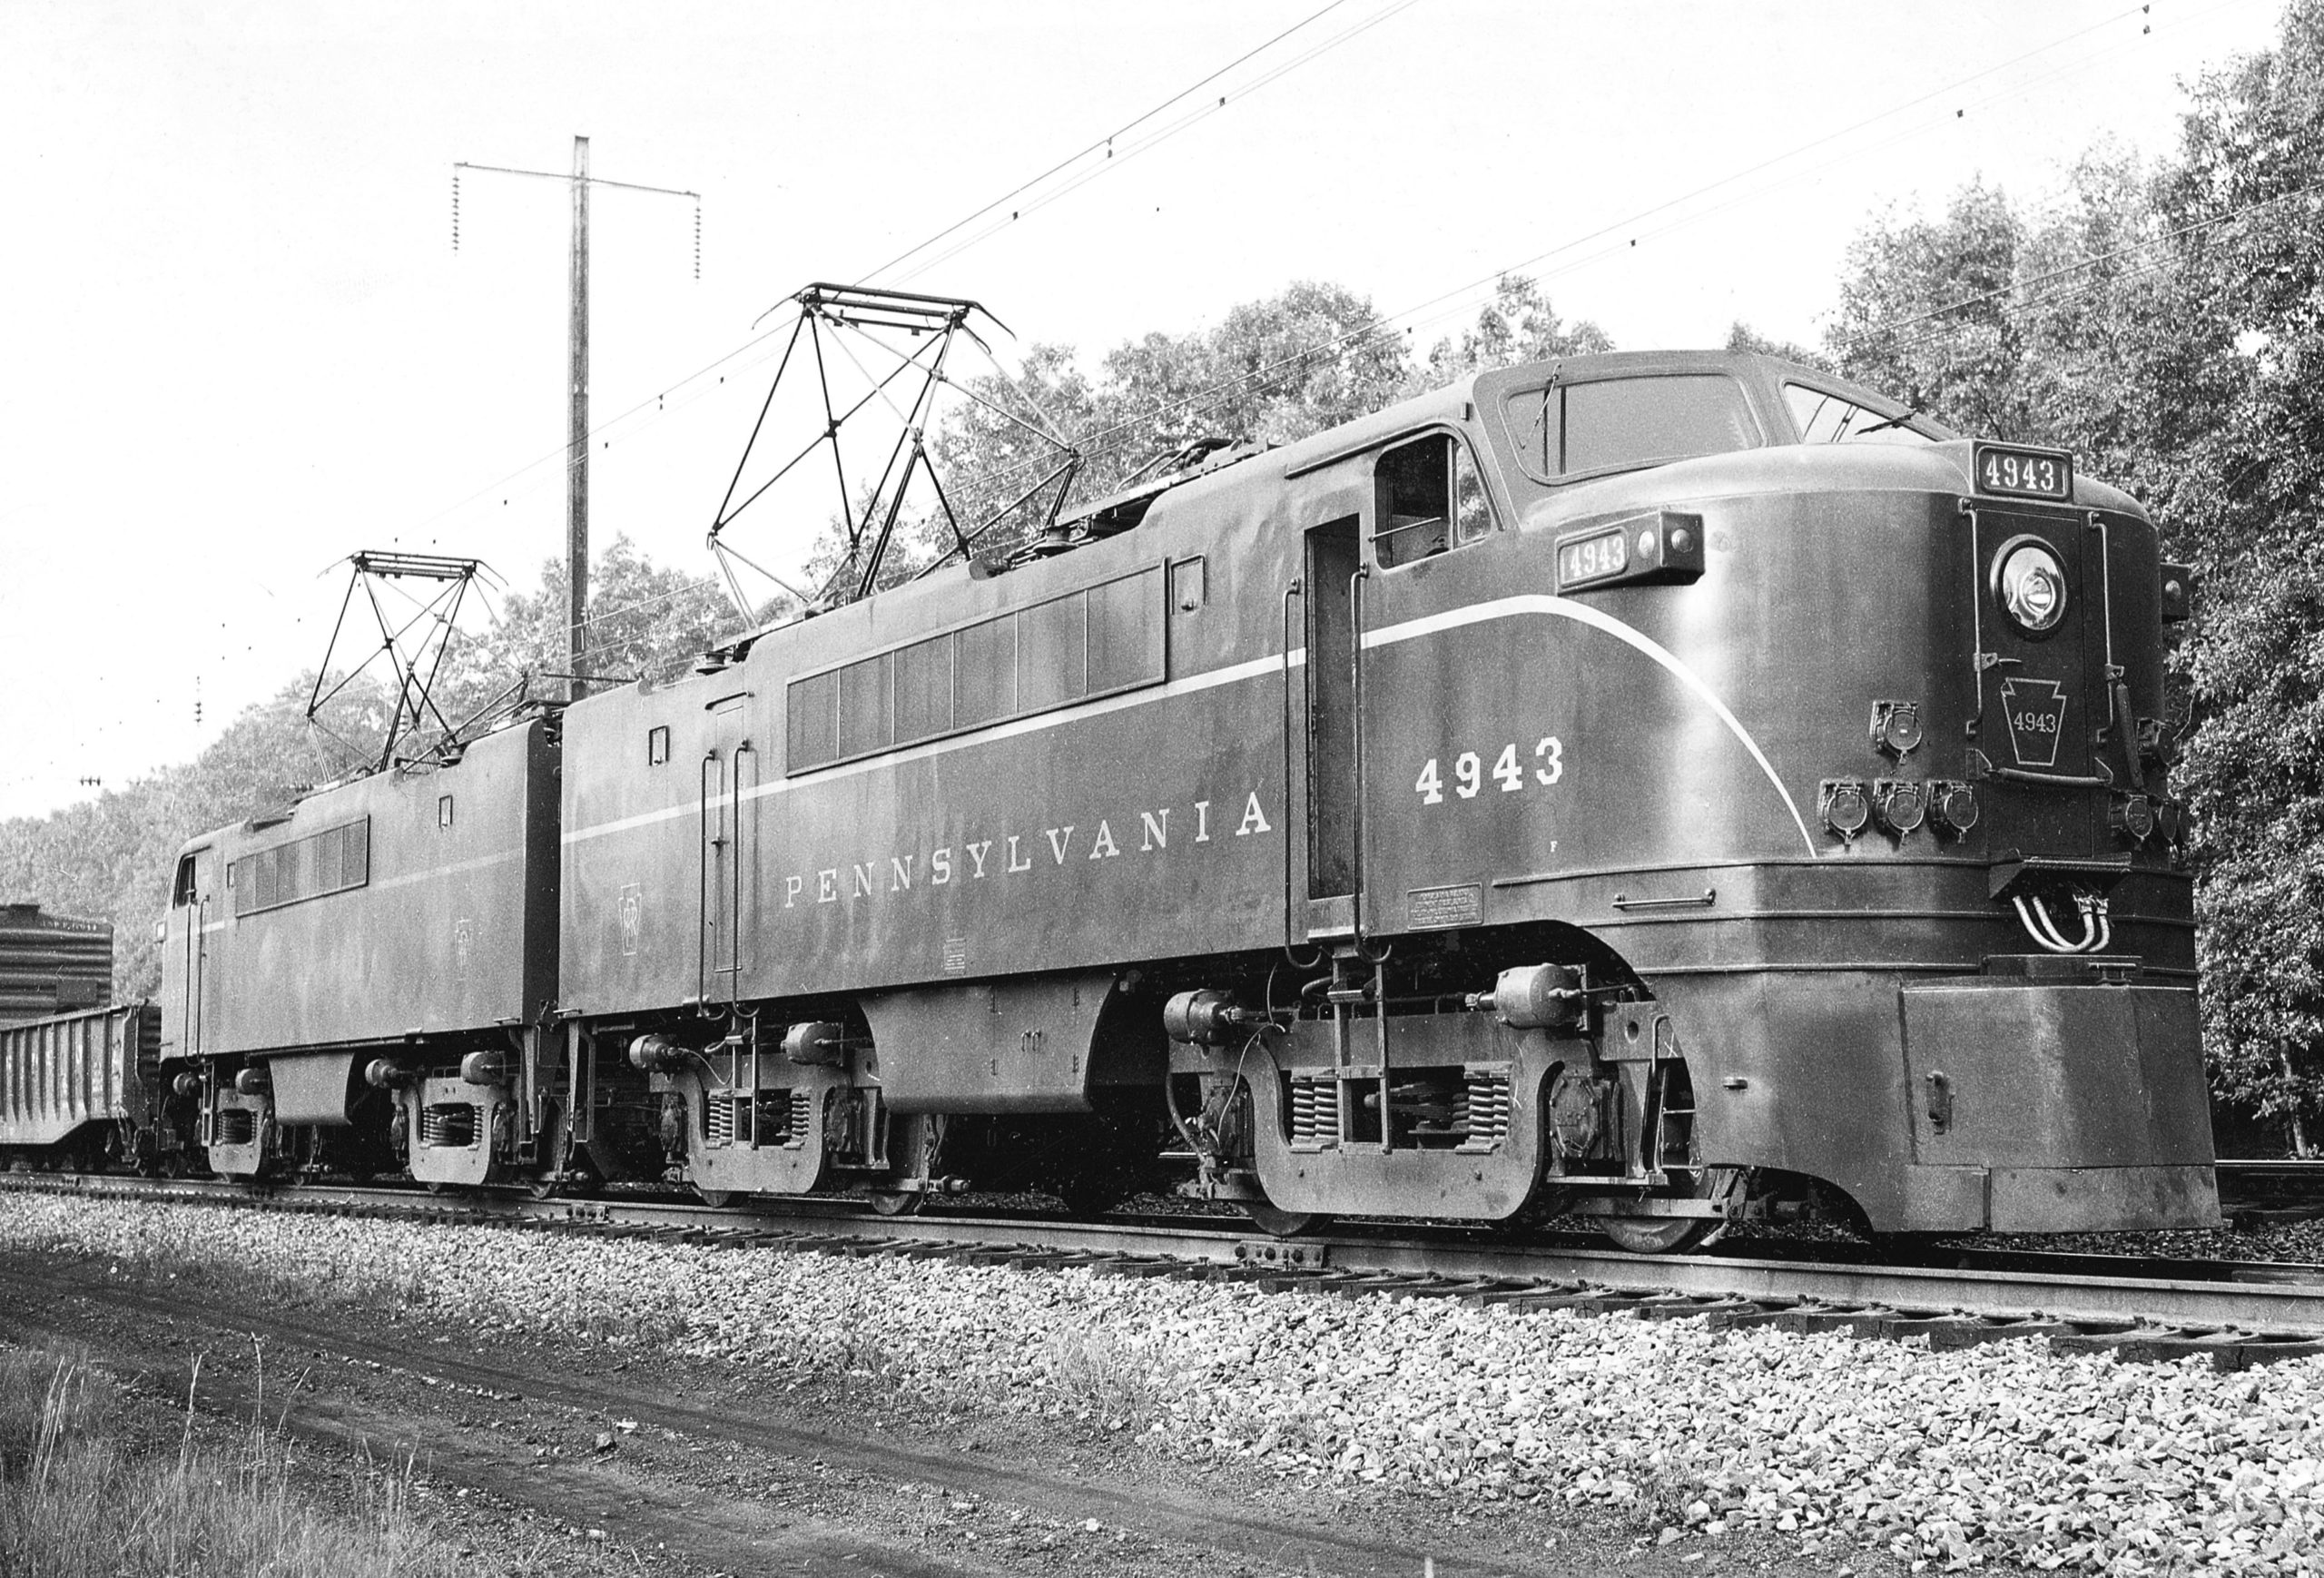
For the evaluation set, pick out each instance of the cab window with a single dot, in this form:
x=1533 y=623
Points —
x=1617 y=423
x=1431 y=498
x=1825 y=418
x=181 y=890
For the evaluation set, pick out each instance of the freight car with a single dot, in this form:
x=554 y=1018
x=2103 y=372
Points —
x=87 y=1090
x=1667 y=787
x=51 y=965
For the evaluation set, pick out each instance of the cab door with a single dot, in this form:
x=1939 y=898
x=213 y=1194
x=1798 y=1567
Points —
x=730 y=773
x=1333 y=601
x=187 y=987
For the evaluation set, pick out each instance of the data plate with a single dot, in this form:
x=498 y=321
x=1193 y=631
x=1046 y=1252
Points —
x=2013 y=472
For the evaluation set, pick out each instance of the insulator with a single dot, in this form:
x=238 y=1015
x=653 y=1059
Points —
x=818 y=1043
x=1537 y=997
x=485 y=1068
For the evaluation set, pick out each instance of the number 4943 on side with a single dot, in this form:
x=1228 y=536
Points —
x=1509 y=773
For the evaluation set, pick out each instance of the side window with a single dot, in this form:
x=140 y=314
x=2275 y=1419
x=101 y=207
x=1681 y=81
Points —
x=1471 y=510
x=1828 y=418
x=657 y=745
x=181 y=891
x=1431 y=498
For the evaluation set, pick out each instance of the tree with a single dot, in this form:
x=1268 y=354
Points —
x=2246 y=203
x=643 y=619
x=1925 y=312
x=1517 y=325
x=2168 y=326
x=111 y=858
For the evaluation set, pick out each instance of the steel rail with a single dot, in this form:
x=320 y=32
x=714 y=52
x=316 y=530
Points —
x=2284 y=1299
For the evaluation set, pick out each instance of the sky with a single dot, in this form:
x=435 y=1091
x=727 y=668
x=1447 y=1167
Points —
x=240 y=345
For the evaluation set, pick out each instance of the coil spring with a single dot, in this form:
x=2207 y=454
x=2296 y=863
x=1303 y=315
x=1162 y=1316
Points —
x=1314 y=1110
x=234 y=1126
x=447 y=1126
x=1483 y=1111
x=718 y=1120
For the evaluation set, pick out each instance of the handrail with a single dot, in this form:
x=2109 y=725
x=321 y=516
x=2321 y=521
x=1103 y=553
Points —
x=1356 y=726
x=703 y=913
x=1290 y=905
x=735 y=867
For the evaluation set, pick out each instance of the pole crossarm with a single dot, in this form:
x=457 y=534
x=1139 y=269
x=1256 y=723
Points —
x=576 y=461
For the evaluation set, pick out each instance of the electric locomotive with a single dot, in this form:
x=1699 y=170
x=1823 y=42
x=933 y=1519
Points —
x=1669 y=788
x=1665 y=787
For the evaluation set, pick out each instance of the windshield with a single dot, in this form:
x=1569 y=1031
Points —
x=1570 y=429
x=1825 y=418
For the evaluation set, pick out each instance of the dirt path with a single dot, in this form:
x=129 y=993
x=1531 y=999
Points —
x=721 y=1479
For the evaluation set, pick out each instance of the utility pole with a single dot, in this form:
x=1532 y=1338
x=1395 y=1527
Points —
x=576 y=426
x=577 y=434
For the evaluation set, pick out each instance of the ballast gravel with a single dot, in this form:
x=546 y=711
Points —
x=2007 y=1452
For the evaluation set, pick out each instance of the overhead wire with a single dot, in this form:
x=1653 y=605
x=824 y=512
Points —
x=1261 y=378
x=1106 y=141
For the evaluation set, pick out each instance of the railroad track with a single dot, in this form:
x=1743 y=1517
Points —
x=2236 y=1313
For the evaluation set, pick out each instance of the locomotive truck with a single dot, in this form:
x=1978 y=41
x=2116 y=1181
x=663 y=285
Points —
x=1665 y=787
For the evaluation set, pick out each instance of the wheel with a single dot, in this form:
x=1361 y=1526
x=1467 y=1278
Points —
x=1677 y=1235
x=913 y=1144
x=1547 y=1204
x=1659 y=1234
x=716 y=1199
x=1278 y=1223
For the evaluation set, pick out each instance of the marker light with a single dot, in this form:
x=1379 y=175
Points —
x=1952 y=804
x=2132 y=816
x=1901 y=804
x=2032 y=586
x=1845 y=805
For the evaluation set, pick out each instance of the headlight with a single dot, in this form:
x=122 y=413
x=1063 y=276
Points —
x=2032 y=584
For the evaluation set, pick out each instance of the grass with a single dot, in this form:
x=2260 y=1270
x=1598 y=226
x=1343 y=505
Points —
x=78 y=1499
x=1096 y=1373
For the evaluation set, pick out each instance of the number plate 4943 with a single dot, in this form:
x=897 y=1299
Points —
x=2014 y=471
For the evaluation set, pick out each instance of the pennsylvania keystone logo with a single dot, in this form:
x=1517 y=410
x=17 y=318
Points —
x=2037 y=717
